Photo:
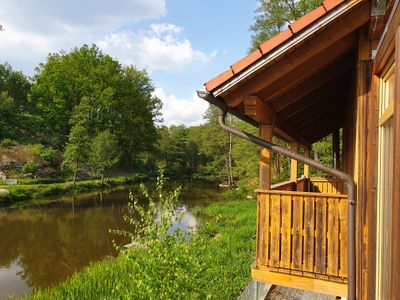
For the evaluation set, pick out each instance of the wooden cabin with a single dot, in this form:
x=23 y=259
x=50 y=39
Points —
x=336 y=68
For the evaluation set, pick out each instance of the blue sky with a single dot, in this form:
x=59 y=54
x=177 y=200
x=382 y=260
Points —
x=182 y=43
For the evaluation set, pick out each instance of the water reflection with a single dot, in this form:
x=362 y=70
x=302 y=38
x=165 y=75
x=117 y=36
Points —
x=42 y=246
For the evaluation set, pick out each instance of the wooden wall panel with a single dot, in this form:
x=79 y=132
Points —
x=395 y=274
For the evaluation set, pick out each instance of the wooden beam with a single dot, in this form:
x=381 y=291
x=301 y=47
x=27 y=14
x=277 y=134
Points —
x=300 y=282
x=293 y=162
x=321 y=118
x=315 y=65
x=307 y=153
x=336 y=149
x=265 y=159
x=332 y=73
x=327 y=38
x=253 y=107
x=256 y=109
x=339 y=84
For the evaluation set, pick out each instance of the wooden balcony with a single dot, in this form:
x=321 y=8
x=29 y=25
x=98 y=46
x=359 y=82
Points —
x=302 y=237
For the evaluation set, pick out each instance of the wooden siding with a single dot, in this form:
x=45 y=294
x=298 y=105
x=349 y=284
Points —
x=303 y=234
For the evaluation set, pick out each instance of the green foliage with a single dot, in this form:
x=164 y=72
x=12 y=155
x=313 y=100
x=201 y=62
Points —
x=15 y=108
x=273 y=16
x=30 y=167
x=85 y=92
x=46 y=153
x=214 y=264
x=8 y=142
x=104 y=153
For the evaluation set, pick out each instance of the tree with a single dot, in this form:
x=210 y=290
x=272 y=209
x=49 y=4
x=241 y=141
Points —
x=104 y=153
x=15 y=109
x=272 y=16
x=76 y=151
x=89 y=88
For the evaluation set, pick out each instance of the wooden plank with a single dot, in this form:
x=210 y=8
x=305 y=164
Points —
x=343 y=237
x=262 y=229
x=299 y=282
x=320 y=235
x=286 y=231
x=333 y=237
x=275 y=214
x=308 y=250
x=297 y=252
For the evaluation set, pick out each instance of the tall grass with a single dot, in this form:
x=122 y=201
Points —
x=36 y=189
x=215 y=264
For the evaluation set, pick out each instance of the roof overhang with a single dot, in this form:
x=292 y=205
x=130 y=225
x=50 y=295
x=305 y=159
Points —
x=302 y=76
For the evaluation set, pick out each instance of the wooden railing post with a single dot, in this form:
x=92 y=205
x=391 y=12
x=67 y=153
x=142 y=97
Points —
x=293 y=163
x=265 y=159
x=307 y=153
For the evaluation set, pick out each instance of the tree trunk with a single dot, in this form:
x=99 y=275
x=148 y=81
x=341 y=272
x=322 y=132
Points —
x=75 y=171
x=102 y=179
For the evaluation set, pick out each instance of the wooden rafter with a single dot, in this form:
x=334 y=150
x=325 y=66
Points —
x=258 y=110
x=326 y=75
x=308 y=69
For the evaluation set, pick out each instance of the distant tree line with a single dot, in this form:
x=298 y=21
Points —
x=98 y=115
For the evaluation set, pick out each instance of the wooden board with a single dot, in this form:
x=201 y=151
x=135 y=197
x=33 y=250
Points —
x=320 y=235
x=297 y=253
x=333 y=237
x=308 y=247
x=299 y=282
x=275 y=230
x=286 y=229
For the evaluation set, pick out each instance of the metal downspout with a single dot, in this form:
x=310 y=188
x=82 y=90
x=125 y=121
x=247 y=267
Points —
x=351 y=287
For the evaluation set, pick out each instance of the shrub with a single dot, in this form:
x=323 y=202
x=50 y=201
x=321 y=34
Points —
x=46 y=153
x=30 y=167
x=8 y=143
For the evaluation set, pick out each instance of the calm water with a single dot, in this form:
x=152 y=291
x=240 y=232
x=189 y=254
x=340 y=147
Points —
x=42 y=246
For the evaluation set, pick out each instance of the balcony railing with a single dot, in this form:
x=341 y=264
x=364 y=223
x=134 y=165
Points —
x=302 y=238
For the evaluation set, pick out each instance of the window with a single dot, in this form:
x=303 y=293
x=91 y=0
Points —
x=385 y=182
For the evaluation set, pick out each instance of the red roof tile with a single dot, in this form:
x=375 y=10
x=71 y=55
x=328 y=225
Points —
x=272 y=43
x=275 y=41
x=330 y=4
x=307 y=19
x=246 y=61
x=221 y=78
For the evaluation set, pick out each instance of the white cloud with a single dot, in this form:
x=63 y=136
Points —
x=160 y=48
x=49 y=16
x=35 y=28
x=181 y=111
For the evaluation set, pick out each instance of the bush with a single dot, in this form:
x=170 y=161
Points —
x=46 y=153
x=30 y=167
x=8 y=143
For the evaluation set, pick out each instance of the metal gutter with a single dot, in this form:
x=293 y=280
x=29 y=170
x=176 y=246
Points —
x=351 y=286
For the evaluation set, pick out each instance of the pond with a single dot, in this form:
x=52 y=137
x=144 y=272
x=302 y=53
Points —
x=46 y=244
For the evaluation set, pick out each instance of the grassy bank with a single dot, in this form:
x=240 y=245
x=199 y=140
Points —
x=36 y=189
x=215 y=264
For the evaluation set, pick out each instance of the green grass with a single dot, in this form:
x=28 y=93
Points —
x=215 y=264
x=36 y=189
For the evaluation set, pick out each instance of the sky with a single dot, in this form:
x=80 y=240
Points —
x=181 y=43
